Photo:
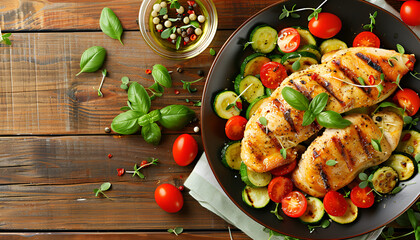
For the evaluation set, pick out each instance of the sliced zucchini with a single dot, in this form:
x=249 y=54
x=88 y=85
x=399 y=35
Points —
x=409 y=142
x=332 y=44
x=349 y=216
x=268 y=91
x=221 y=102
x=251 y=93
x=314 y=211
x=255 y=197
x=263 y=39
x=403 y=164
x=312 y=49
x=231 y=155
x=276 y=58
x=254 y=179
x=253 y=63
x=306 y=59
x=305 y=36
x=238 y=79
x=384 y=179
x=254 y=106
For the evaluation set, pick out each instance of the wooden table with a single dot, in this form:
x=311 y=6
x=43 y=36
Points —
x=54 y=148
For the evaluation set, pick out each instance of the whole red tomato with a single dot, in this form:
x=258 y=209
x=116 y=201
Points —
x=410 y=13
x=184 y=150
x=169 y=198
x=326 y=26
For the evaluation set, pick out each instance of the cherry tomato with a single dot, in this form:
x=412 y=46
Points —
x=279 y=187
x=410 y=13
x=409 y=100
x=184 y=150
x=285 y=169
x=235 y=127
x=362 y=197
x=272 y=74
x=169 y=198
x=326 y=26
x=294 y=204
x=289 y=40
x=335 y=204
x=366 y=39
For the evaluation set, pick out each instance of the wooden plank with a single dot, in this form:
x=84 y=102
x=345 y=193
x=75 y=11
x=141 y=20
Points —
x=40 y=93
x=58 y=15
x=186 y=235
x=46 y=183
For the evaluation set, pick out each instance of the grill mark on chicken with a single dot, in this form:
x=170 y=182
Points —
x=324 y=177
x=273 y=140
x=258 y=156
x=326 y=85
x=373 y=63
x=352 y=76
x=363 y=141
x=286 y=113
x=345 y=153
x=302 y=90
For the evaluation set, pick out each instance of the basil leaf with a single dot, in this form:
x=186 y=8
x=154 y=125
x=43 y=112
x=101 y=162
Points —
x=178 y=42
x=92 y=59
x=110 y=24
x=400 y=48
x=376 y=144
x=389 y=104
x=331 y=119
x=6 y=35
x=175 y=117
x=126 y=122
x=161 y=75
x=125 y=108
x=283 y=153
x=318 y=104
x=149 y=118
x=151 y=133
x=295 y=99
x=308 y=118
x=166 y=33
x=139 y=98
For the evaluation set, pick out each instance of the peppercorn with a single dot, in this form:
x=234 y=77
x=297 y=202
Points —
x=107 y=130
x=190 y=31
x=200 y=73
x=179 y=70
x=184 y=34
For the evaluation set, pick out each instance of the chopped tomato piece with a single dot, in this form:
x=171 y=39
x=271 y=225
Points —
x=335 y=204
x=409 y=100
x=294 y=204
x=362 y=197
x=289 y=40
x=279 y=187
x=366 y=39
x=272 y=74
x=235 y=127
x=285 y=169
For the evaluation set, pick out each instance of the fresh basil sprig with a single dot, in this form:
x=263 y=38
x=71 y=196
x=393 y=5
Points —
x=92 y=59
x=187 y=85
x=161 y=75
x=151 y=133
x=110 y=24
x=175 y=117
x=314 y=110
x=389 y=104
x=139 y=99
x=126 y=122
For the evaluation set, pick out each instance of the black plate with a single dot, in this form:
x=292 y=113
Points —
x=354 y=14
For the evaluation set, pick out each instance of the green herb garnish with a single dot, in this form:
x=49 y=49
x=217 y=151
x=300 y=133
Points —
x=104 y=187
x=110 y=24
x=370 y=26
x=187 y=85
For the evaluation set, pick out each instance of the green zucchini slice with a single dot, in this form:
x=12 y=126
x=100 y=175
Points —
x=306 y=59
x=409 y=142
x=231 y=155
x=253 y=91
x=314 y=211
x=263 y=39
x=349 y=216
x=332 y=45
x=403 y=164
x=254 y=106
x=312 y=49
x=255 y=197
x=253 y=63
x=384 y=179
x=221 y=102
x=254 y=179
x=305 y=37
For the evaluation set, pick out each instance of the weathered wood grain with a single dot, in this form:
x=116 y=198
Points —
x=47 y=183
x=40 y=93
x=59 y=15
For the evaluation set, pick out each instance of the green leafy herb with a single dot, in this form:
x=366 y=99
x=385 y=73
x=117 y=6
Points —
x=295 y=98
x=175 y=117
x=110 y=24
x=324 y=224
x=151 y=133
x=361 y=81
x=276 y=212
x=156 y=90
x=376 y=144
x=187 y=100
x=92 y=59
x=331 y=162
x=187 y=85
x=167 y=32
x=283 y=153
x=126 y=122
x=174 y=4
x=331 y=119
x=390 y=62
x=5 y=38
x=197 y=104
x=150 y=161
x=400 y=49
x=370 y=26
x=149 y=118
x=139 y=99
x=124 y=82
x=104 y=187
x=397 y=81
x=193 y=24
x=263 y=121
x=414 y=74
x=246 y=45
x=292 y=12
x=163 y=11
x=286 y=13
x=161 y=75
x=212 y=52
x=102 y=83
x=380 y=88
x=178 y=42
x=176 y=230
x=296 y=64
x=389 y=104
x=409 y=122
x=314 y=14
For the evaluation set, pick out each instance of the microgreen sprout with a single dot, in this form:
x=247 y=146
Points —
x=212 y=52
x=5 y=38
x=326 y=223
x=187 y=85
x=376 y=143
x=331 y=162
x=296 y=64
x=102 y=83
x=414 y=74
x=197 y=104
x=370 y=26
x=292 y=12
x=233 y=104
x=136 y=172
x=174 y=4
x=390 y=62
x=410 y=122
x=104 y=187
x=276 y=212
x=124 y=82
x=176 y=230
x=397 y=81
x=400 y=49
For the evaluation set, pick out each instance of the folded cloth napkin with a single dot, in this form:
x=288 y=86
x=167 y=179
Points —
x=207 y=191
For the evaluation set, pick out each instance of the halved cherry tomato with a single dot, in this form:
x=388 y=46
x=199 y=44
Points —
x=279 y=187
x=272 y=74
x=410 y=13
x=408 y=99
x=235 y=127
x=294 y=204
x=335 y=204
x=169 y=198
x=366 y=39
x=326 y=26
x=362 y=197
x=289 y=40
x=285 y=169
x=184 y=150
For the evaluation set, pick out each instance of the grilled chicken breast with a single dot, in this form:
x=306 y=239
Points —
x=352 y=150
x=338 y=77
